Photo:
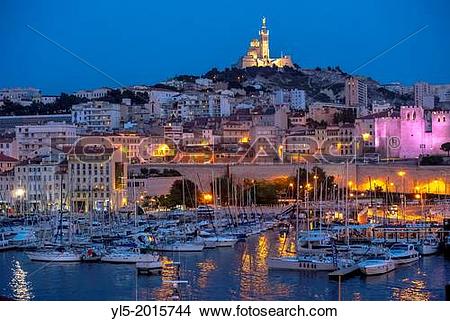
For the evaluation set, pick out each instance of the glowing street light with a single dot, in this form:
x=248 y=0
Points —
x=401 y=173
x=207 y=197
x=19 y=192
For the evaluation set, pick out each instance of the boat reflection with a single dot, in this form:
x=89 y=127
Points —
x=286 y=246
x=21 y=288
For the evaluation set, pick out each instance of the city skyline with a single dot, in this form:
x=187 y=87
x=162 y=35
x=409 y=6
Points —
x=150 y=49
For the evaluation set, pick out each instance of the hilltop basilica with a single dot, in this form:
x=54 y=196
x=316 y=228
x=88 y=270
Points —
x=258 y=52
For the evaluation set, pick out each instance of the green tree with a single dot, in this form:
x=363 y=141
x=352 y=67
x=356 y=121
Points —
x=446 y=148
x=175 y=196
x=266 y=193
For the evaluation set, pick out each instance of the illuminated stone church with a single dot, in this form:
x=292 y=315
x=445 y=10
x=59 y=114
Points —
x=258 y=52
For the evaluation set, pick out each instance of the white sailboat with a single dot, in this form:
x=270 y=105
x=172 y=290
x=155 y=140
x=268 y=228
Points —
x=54 y=256
x=213 y=241
x=132 y=256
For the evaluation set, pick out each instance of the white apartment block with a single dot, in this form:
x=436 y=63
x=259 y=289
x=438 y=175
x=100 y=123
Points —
x=173 y=132
x=18 y=94
x=31 y=138
x=442 y=91
x=380 y=107
x=97 y=116
x=356 y=95
x=219 y=105
x=423 y=95
x=43 y=185
x=294 y=98
x=8 y=146
x=97 y=179
x=92 y=94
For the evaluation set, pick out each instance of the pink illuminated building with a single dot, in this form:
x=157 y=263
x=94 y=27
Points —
x=412 y=133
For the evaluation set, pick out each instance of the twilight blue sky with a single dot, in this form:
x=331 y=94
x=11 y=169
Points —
x=137 y=42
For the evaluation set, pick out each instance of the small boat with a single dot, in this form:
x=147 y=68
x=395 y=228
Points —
x=402 y=253
x=428 y=246
x=91 y=255
x=54 y=256
x=377 y=264
x=150 y=268
x=128 y=256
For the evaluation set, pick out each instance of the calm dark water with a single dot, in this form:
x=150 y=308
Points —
x=238 y=273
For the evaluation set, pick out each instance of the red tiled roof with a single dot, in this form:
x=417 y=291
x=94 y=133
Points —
x=6 y=158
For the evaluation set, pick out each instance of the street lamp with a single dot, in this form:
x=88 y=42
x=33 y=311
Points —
x=19 y=193
x=291 y=190
x=402 y=174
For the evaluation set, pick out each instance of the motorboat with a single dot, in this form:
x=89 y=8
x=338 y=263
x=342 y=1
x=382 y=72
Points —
x=428 y=246
x=54 y=256
x=402 y=253
x=310 y=263
x=128 y=256
x=377 y=264
x=24 y=238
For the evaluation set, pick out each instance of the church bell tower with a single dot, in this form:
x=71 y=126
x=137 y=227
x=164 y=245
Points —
x=264 y=41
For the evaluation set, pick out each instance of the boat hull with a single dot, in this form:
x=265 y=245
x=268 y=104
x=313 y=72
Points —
x=377 y=269
x=178 y=248
x=129 y=259
x=428 y=249
x=299 y=265
x=406 y=259
x=49 y=257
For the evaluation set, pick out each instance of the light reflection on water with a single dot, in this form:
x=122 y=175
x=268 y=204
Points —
x=254 y=273
x=415 y=290
x=20 y=287
x=169 y=273
x=204 y=270
x=238 y=273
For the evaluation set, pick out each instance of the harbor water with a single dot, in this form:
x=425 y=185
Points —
x=238 y=273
